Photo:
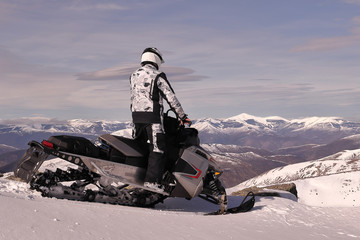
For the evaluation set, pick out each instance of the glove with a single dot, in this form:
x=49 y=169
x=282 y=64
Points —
x=186 y=121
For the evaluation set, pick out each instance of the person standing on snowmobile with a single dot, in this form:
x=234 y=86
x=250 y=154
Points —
x=148 y=88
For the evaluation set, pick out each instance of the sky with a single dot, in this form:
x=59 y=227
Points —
x=72 y=59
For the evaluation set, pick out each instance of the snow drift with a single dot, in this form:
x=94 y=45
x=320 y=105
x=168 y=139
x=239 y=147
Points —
x=332 y=181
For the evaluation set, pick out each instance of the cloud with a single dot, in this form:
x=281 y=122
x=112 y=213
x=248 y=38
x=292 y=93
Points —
x=356 y=20
x=104 y=96
x=6 y=9
x=265 y=79
x=32 y=121
x=31 y=86
x=336 y=42
x=112 y=73
x=178 y=74
x=7 y=60
x=268 y=92
x=281 y=99
x=78 y=5
x=352 y=1
x=324 y=44
x=233 y=95
x=84 y=6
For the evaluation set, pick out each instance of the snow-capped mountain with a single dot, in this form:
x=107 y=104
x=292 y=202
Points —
x=31 y=125
x=274 y=123
x=19 y=132
x=245 y=145
x=342 y=162
x=240 y=163
x=268 y=133
x=272 y=133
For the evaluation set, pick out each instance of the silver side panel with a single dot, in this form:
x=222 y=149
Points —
x=117 y=171
x=193 y=183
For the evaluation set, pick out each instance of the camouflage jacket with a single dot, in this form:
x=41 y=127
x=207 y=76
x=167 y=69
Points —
x=148 y=88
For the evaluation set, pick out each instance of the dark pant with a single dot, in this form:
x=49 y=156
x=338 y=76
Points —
x=154 y=135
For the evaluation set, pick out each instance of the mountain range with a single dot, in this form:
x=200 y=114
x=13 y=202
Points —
x=244 y=145
x=273 y=133
x=247 y=145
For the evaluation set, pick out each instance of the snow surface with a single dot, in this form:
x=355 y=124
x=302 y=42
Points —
x=24 y=214
x=333 y=181
x=339 y=190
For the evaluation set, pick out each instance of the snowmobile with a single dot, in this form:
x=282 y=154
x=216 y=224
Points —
x=113 y=168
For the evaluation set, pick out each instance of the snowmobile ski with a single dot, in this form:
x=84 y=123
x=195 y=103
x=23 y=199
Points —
x=245 y=206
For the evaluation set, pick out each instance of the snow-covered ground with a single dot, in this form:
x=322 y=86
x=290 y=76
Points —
x=333 y=181
x=24 y=214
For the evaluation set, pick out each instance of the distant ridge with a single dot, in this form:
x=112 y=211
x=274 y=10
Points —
x=244 y=145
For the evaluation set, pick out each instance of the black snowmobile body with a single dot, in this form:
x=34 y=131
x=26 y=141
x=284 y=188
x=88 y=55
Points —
x=117 y=166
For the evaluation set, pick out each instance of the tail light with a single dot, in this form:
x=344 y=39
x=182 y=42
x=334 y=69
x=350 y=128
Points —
x=47 y=144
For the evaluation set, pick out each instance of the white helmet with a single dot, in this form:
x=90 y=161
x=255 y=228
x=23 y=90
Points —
x=153 y=56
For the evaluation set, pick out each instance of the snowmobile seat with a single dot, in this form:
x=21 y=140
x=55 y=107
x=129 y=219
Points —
x=127 y=151
x=129 y=147
x=76 y=145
